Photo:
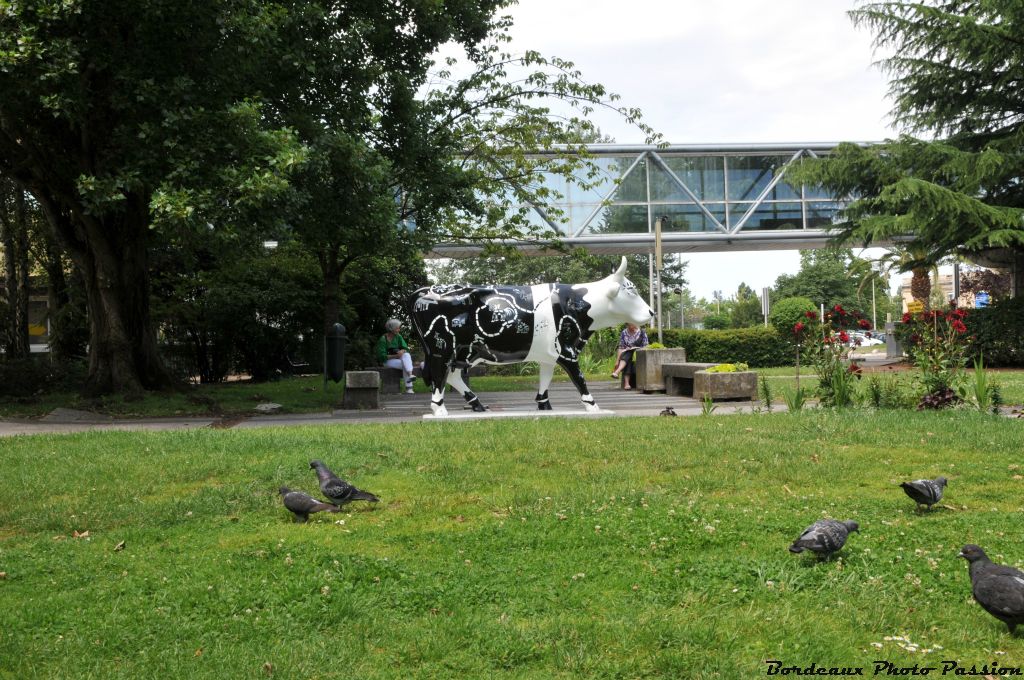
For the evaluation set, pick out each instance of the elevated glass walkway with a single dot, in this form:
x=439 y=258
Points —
x=712 y=198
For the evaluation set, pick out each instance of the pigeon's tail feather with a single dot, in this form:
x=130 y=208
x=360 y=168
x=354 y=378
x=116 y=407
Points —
x=358 y=495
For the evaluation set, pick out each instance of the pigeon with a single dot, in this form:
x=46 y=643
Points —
x=925 y=491
x=824 y=537
x=337 y=489
x=302 y=504
x=999 y=589
x=668 y=411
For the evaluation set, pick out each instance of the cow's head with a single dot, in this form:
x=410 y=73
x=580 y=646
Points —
x=614 y=300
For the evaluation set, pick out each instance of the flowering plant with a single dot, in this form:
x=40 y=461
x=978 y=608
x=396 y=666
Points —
x=828 y=344
x=937 y=342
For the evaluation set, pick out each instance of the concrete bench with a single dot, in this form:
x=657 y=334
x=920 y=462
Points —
x=679 y=377
x=362 y=390
x=648 y=366
x=391 y=379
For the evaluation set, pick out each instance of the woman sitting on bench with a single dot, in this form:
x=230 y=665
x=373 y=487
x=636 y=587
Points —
x=631 y=339
x=393 y=352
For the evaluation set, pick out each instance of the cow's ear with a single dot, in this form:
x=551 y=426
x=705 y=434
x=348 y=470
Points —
x=613 y=289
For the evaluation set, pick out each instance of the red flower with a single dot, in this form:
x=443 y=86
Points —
x=864 y=323
x=959 y=326
x=799 y=327
x=810 y=314
x=844 y=336
x=907 y=317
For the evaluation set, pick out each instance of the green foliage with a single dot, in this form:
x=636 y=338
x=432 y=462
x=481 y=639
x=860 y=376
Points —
x=980 y=387
x=949 y=80
x=824 y=277
x=756 y=346
x=938 y=344
x=764 y=389
x=728 y=368
x=707 y=405
x=998 y=332
x=795 y=399
x=786 y=312
x=716 y=322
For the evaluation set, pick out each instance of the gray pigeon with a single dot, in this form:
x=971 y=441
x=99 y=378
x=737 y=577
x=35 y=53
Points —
x=925 y=491
x=337 y=489
x=668 y=411
x=824 y=537
x=999 y=589
x=303 y=504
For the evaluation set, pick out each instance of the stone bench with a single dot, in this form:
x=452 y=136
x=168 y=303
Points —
x=391 y=379
x=362 y=390
x=679 y=377
x=648 y=366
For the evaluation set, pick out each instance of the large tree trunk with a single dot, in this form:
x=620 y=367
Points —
x=14 y=238
x=110 y=254
x=921 y=286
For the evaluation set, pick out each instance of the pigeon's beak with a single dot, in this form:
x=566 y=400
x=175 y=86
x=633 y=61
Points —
x=961 y=554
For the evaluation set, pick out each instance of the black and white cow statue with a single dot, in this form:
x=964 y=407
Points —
x=462 y=326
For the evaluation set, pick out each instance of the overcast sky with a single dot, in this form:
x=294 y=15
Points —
x=727 y=71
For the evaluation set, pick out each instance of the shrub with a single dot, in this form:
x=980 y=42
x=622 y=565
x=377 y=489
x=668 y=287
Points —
x=717 y=322
x=757 y=346
x=786 y=312
x=999 y=333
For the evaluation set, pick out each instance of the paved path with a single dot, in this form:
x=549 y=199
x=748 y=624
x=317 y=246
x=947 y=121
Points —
x=395 y=408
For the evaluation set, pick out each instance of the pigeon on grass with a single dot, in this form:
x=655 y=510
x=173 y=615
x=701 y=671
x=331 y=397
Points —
x=302 y=504
x=925 y=491
x=824 y=537
x=998 y=588
x=337 y=489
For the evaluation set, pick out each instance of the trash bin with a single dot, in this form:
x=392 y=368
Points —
x=334 y=353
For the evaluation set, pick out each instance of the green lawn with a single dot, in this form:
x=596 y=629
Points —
x=610 y=548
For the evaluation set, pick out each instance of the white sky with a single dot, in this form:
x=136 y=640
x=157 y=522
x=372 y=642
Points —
x=721 y=71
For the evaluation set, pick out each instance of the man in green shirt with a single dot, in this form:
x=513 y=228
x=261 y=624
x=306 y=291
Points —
x=393 y=352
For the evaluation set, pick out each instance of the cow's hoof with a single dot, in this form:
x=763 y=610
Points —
x=440 y=411
x=544 y=406
x=478 y=407
x=591 y=408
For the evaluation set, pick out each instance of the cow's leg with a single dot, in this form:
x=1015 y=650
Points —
x=438 y=369
x=546 y=371
x=458 y=382
x=573 y=369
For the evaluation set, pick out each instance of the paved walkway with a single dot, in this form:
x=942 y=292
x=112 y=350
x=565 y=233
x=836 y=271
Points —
x=399 y=408
x=396 y=408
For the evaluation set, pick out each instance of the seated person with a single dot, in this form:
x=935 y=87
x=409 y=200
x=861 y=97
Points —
x=393 y=352
x=632 y=338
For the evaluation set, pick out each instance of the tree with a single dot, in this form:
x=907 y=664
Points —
x=955 y=73
x=124 y=119
x=823 y=277
x=746 y=310
x=14 y=239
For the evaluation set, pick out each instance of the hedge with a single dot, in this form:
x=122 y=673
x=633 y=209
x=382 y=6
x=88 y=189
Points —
x=757 y=346
x=999 y=333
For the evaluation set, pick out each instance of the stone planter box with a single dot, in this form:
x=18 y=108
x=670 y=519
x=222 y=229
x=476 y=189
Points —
x=738 y=385
x=649 y=363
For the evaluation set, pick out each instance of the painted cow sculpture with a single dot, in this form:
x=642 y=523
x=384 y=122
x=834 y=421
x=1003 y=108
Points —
x=462 y=326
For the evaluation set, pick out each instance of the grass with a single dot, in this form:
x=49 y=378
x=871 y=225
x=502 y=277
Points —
x=555 y=548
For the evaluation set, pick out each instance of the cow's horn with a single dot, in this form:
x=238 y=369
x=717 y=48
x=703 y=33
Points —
x=620 y=273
